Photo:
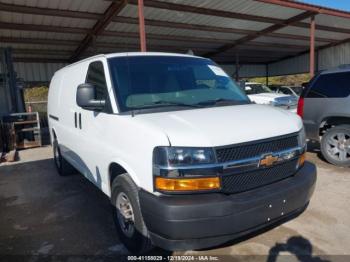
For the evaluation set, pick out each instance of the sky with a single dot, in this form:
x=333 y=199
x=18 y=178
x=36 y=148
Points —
x=337 y=4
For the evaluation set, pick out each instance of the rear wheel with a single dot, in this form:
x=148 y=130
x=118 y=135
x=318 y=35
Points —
x=127 y=215
x=335 y=145
x=62 y=165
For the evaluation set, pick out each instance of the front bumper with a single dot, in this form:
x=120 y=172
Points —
x=182 y=222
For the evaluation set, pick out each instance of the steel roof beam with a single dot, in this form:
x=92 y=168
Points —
x=72 y=43
x=180 y=38
x=263 y=32
x=45 y=41
x=113 y=10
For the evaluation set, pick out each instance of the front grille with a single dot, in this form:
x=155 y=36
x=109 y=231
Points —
x=256 y=148
x=249 y=180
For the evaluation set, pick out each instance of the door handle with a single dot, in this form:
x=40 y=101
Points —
x=75 y=120
x=80 y=120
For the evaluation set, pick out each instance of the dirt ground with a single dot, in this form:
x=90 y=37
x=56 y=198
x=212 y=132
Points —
x=44 y=214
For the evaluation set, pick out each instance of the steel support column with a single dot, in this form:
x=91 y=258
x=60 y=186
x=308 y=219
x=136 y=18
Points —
x=142 y=26
x=312 y=47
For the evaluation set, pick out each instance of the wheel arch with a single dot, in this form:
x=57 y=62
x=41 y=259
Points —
x=117 y=168
x=53 y=135
x=330 y=121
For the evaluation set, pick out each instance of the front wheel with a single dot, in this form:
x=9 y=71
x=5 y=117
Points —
x=63 y=167
x=127 y=215
x=335 y=145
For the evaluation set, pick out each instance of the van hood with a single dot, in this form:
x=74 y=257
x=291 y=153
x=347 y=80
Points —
x=218 y=126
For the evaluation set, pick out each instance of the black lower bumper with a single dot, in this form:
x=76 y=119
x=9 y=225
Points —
x=185 y=222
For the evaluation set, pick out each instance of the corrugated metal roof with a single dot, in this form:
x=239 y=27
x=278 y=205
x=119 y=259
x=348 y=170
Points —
x=243 y=6
x=201 y=41
x=334 y=21
x=92 y=6
x=190 y=18
x=18 y=18
x=171 y=31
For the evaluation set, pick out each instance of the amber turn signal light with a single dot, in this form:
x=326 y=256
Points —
x=187 y=184
x=302 y=160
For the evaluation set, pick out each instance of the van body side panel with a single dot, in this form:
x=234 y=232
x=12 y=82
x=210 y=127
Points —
x=68 y=135
x=53 y=112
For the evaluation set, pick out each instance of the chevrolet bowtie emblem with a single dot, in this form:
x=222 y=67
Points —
x=268 y=160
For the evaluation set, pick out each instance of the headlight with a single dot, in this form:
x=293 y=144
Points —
x=182 y=156
x=185 y=169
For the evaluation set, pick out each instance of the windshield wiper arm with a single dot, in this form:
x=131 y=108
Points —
x=221 y=101
x=170 y=103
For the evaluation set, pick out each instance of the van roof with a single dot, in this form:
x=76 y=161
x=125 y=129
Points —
x=131 y=54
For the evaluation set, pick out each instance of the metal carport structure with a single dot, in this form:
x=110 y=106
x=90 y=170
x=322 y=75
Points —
x=249 y=37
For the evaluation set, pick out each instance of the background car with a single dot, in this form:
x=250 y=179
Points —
x=261 y=94
x=287 y=90
x=324 y=106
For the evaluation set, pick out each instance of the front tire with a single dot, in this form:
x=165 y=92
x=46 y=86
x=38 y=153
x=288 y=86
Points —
x=335 y=145
x=63 y=167
x=127 y=215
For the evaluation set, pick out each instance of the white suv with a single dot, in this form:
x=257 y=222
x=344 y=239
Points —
x=186 y=159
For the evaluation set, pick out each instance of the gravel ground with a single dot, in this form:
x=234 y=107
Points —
x=44 y=214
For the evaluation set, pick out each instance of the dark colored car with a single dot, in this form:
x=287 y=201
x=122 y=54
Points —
x=324 y=106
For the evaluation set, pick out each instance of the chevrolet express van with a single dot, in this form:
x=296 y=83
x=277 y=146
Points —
x=185 y=157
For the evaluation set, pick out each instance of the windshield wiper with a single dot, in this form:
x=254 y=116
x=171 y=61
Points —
x=222 y=101
x=169 y=103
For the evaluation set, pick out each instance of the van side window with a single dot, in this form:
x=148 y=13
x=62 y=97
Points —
x=331 y=85
x=96 y=76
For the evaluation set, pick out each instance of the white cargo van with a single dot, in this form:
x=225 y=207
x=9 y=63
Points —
x=186 y=159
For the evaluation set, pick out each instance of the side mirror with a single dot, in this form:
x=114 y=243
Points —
x=85 y=98
x=248 y=88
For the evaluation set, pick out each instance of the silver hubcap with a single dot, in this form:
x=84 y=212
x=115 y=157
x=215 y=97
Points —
x=125 y=214
x=338 y=147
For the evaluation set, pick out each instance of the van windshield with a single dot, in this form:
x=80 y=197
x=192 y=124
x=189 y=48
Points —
x=143 y=82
